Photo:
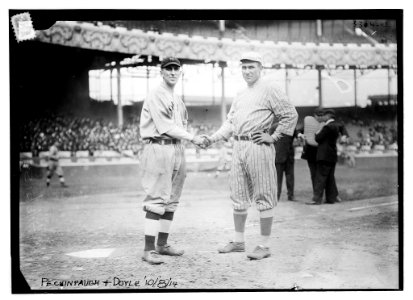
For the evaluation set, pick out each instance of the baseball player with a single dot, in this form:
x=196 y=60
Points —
x=253 y=175
x=162 y=126
x=54 y=165
x=225 y=156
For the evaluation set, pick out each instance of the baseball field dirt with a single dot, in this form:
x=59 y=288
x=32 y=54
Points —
x=90 y=235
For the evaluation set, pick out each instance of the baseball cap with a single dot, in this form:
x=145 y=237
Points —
x=170 y=61
x=252 y=56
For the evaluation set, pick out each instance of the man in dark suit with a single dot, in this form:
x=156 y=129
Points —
x=284 y=163
x=326 y=159
x=310 y=146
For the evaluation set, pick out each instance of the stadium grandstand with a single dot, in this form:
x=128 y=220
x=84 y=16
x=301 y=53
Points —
x=83 y=82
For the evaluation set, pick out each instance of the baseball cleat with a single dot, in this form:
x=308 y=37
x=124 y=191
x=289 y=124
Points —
x=259 y=252
x=152 y=258
x=168 y=250
x=233 y=247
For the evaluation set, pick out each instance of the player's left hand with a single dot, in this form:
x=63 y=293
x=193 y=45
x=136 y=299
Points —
x=262 y=138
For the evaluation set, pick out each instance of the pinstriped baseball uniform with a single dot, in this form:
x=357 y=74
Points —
x=253 y=173
x=163 y=166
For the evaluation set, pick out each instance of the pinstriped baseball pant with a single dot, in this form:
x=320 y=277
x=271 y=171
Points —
x=253 y=176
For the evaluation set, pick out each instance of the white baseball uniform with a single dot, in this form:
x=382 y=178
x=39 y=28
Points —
x=54 y=165
x=253 y=173
x=163 y=165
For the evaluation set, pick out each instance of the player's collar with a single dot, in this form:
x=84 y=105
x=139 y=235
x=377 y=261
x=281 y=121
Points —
x=167 y=87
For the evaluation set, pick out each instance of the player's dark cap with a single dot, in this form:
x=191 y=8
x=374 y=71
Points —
x=319 y=111
x=169 y=61
x=329 y=111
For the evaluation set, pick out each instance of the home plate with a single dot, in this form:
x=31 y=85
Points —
x=92 y=253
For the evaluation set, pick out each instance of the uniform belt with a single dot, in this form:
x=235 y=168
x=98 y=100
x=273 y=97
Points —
x=162 y=141
x=242 y=138
x=246 y=137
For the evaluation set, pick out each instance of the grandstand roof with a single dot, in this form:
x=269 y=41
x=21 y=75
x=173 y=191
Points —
x=155 y=42
x=302 y=31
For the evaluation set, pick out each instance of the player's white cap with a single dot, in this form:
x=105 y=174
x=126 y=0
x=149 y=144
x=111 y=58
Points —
x=252 y=56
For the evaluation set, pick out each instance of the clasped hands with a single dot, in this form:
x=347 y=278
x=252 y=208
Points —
x=203 y=141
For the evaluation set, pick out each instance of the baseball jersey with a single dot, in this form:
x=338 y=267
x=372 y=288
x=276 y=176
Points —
x=53 y=153
x=164 y=115
x=255 y=108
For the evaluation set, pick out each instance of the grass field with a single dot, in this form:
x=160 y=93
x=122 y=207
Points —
x=372 y=177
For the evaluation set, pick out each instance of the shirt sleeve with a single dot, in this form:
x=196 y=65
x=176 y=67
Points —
x=161 y=110
x=284 y=111
x=227 y=128
x=179 y=133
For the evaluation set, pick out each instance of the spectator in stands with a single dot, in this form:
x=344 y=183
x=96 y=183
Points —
x=225 y=156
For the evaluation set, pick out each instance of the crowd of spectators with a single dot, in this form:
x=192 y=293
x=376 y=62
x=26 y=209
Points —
x=78 y=134
x=86 y=134
x=376 y=134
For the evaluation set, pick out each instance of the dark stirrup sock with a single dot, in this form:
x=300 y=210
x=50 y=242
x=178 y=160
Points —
x=165 y=223
x=151 y=230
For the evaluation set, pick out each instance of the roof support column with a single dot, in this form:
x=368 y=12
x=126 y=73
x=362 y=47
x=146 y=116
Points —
x=120 y=111
x=320 y=90
x=355 y=91
x=223 y=104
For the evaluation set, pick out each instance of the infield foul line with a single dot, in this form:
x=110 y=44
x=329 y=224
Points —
x=371 y=206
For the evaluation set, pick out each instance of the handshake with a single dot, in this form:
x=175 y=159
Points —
x=203 y=141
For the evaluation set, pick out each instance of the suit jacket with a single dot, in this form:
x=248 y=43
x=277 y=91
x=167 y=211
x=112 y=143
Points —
x=327 y=142
x=283 y=149
x=309 y=153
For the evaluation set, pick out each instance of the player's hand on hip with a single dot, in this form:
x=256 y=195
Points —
x=262 y=138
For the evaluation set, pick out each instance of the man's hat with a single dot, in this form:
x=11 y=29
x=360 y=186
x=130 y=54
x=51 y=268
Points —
x=329 y=111
x=252 y=56
x=318 y=111
x=170 y=61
